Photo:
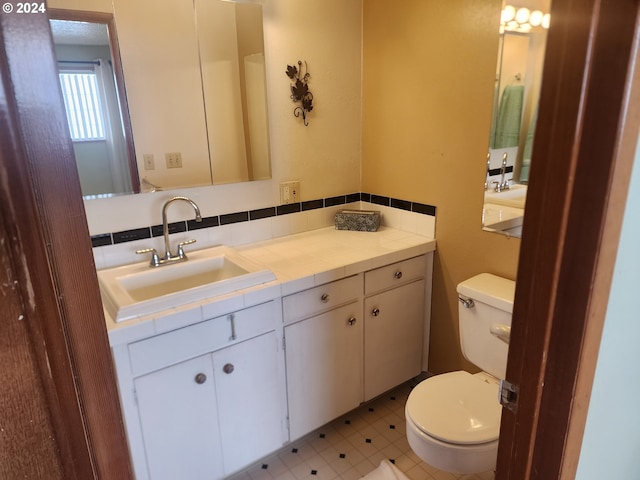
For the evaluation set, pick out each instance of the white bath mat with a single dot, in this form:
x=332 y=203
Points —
x=386 y=471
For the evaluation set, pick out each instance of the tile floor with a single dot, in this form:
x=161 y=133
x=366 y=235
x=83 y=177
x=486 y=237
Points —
x=352 y=446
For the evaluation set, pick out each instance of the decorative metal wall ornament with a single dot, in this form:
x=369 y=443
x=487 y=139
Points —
x=300 y=90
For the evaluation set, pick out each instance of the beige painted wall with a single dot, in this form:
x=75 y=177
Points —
x=428 y=76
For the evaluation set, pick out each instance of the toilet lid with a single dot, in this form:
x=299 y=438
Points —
x=457 y=408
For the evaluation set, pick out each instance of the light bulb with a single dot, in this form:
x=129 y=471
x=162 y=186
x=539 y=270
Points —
x=524 y=27
x=536 y=18
x=522 y=15
x=546 y=20
x=508 y=14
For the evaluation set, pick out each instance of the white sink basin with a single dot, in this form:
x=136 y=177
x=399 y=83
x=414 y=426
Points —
x=138 y=289
x=515 y=197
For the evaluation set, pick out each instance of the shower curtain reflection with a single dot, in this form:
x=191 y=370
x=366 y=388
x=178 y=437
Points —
x=114 y=134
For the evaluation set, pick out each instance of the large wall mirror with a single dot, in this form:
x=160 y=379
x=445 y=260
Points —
x=523 y=34
x=169 y=95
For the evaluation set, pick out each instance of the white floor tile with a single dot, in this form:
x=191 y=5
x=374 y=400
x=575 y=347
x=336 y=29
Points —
x=352 y=446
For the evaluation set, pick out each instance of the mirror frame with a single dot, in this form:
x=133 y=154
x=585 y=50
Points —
x=109 y=20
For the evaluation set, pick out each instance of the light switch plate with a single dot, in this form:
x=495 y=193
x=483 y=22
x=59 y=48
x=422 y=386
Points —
x=174 y=160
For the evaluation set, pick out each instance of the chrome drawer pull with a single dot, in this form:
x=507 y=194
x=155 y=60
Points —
x=398 y=275
x=232 y=320
x=351 y=321
x=228 y=368
x=324 y=298
x=375 y=312
x=200 y=378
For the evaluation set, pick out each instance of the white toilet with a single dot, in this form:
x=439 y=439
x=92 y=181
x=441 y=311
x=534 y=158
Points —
x=453 y=419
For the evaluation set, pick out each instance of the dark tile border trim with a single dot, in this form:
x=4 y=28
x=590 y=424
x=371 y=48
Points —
x=498 y=171
x=101 y=240
x=401 y=204
x=312 y=205
x=237 y=217
x=175 y=227
x=105 y=239
x=207 y=222
x=131 y=235
x=380 y=200
x=262 y=213
x=288 y=208
x=333 y=201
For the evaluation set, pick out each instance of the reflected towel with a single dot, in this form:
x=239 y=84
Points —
x=509 y=117
x=494 y=115
x=528 y=147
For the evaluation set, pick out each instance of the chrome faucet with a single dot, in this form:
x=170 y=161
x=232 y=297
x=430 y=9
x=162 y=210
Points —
x=168 y=258
x=486 y=180
x=503 y=184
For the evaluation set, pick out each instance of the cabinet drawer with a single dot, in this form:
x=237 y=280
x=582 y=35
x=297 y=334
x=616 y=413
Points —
x=321 y=299
x=395 y=274
x=188 y=342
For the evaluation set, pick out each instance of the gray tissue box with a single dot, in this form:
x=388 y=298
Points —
x=359 y=220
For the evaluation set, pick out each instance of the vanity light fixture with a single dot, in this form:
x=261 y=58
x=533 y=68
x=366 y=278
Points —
x=522 y=20
x=535 y=19
x=300 y=90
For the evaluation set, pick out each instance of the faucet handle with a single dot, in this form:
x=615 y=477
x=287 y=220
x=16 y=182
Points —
x=181 y=253
x=155 y=260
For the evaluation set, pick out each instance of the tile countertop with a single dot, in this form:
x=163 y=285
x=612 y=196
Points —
x=298 y=261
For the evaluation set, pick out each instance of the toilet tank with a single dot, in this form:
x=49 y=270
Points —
x=492 y=307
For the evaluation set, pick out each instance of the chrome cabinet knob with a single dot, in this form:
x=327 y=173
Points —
x=375 y=312
x=351 y=321
x=200 y=378
x=228 y=368
x=324 y=298
x=398 y=274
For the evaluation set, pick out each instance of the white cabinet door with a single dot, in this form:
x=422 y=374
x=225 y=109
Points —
x=393 y=332
x=324 y=367
x=178 y=416
x=251 y=400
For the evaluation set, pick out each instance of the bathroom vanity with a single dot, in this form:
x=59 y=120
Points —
x=211 y=386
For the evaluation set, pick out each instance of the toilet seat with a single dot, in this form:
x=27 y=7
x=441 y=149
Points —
x=456 y=408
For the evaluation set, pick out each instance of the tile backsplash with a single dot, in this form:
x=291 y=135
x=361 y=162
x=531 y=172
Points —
x=239 y=228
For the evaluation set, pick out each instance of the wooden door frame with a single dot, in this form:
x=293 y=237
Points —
x=41 y=200
x=583 y=152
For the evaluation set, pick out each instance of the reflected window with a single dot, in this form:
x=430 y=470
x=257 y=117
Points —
x=82 y=104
